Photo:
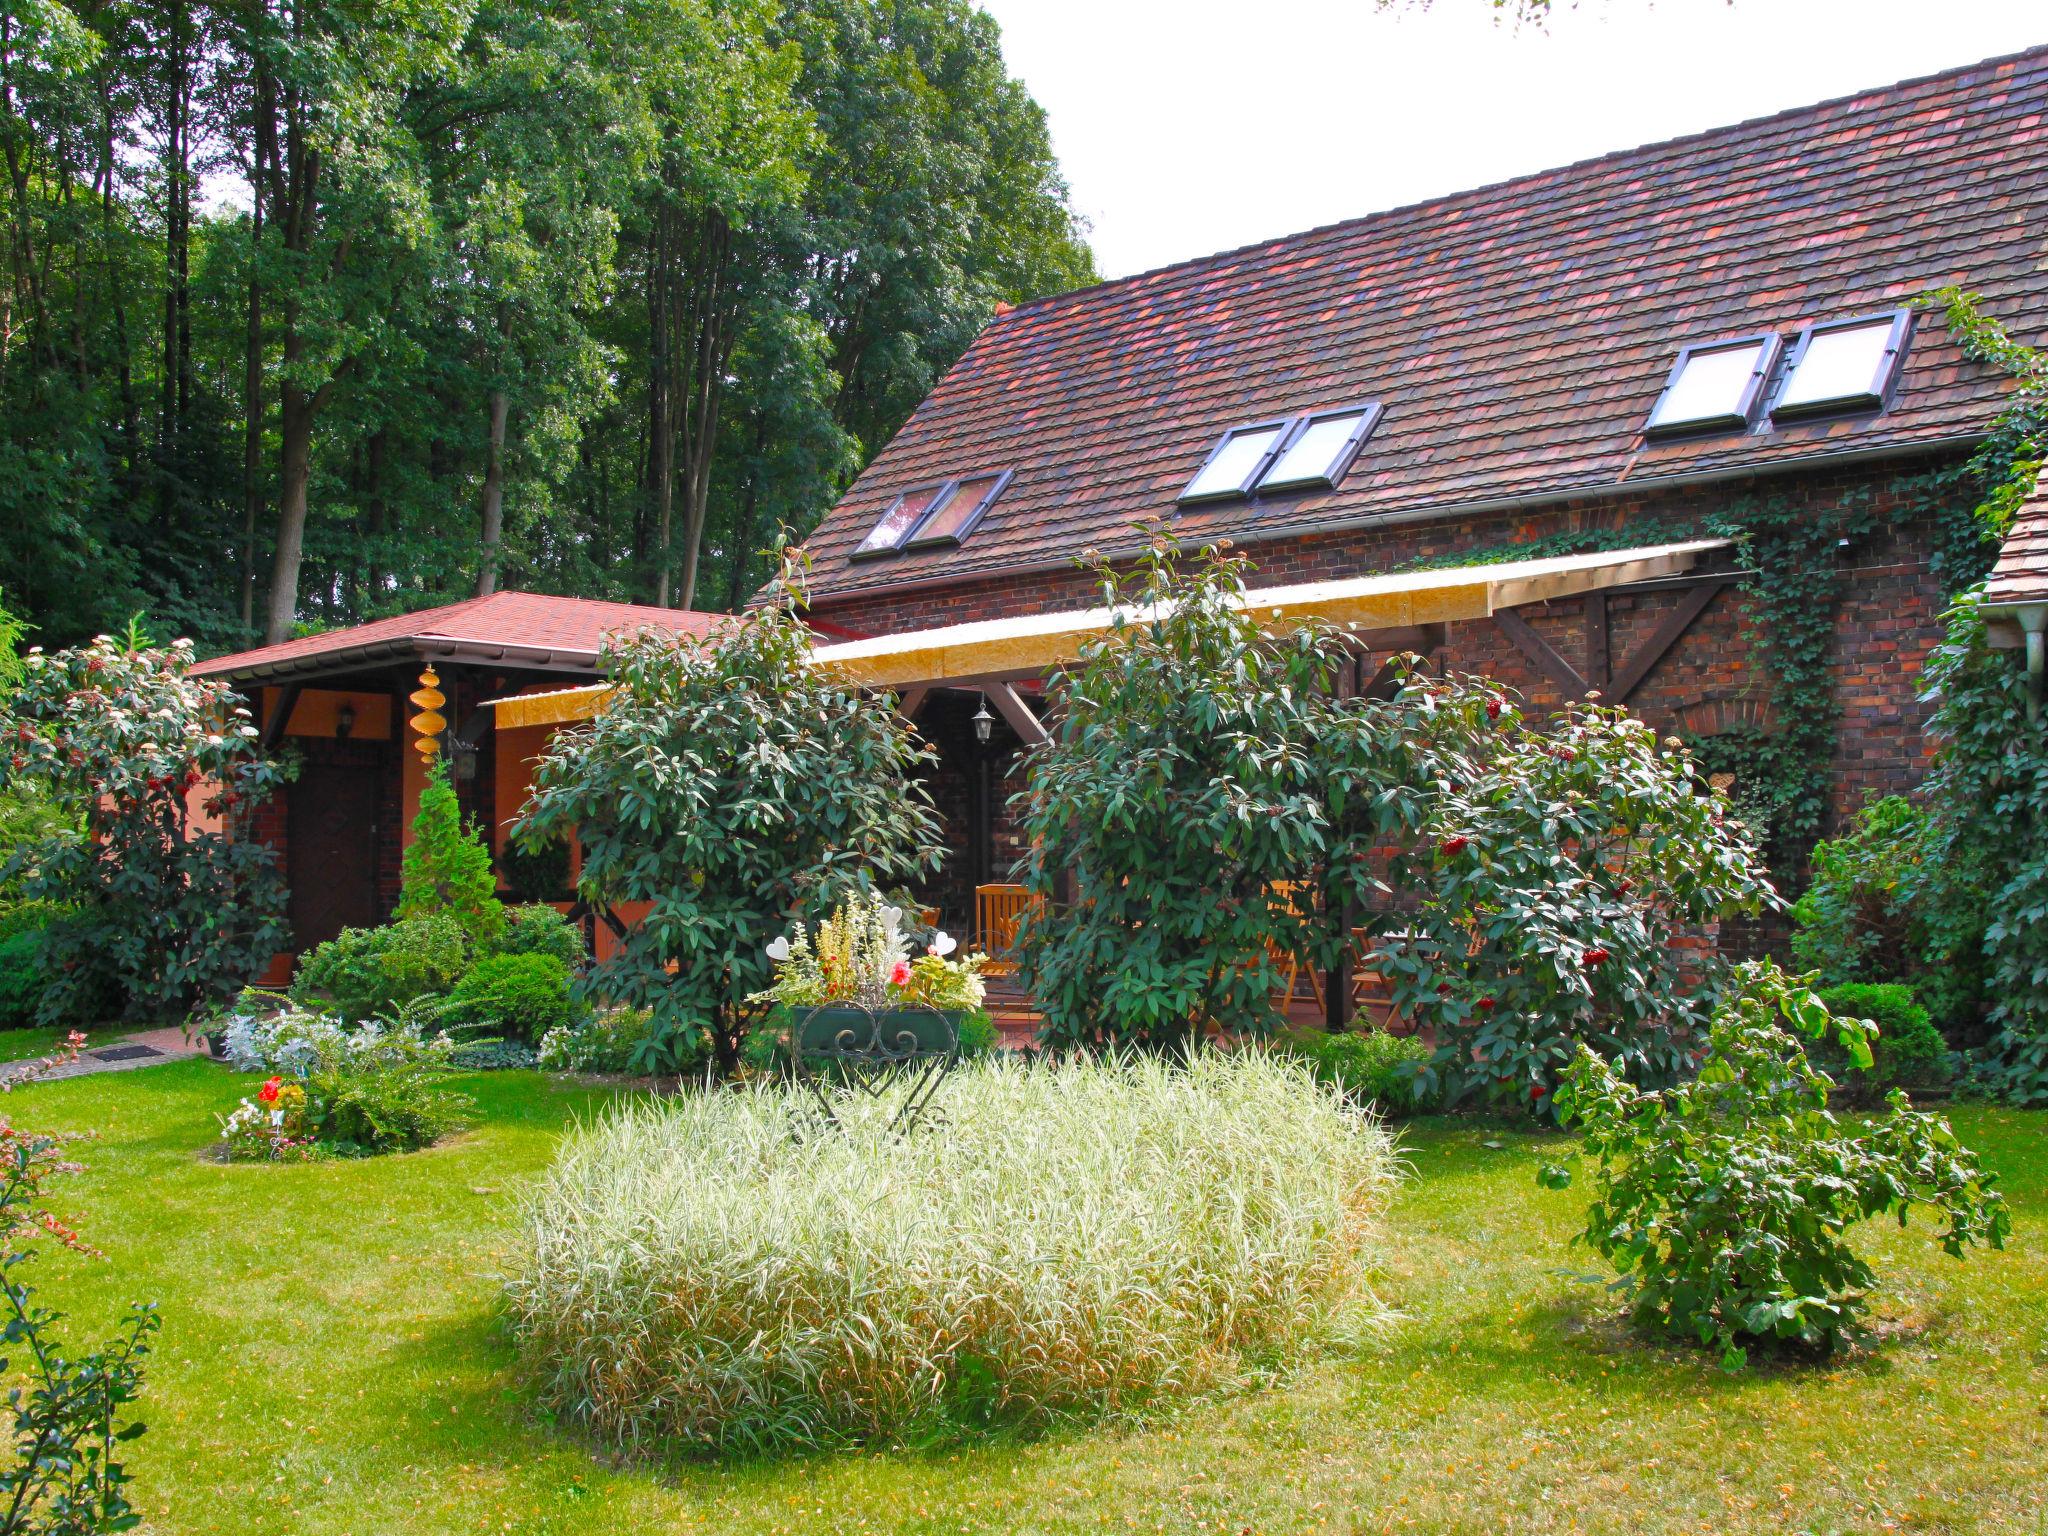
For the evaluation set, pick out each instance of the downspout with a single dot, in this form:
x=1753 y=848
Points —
x=2033 y=621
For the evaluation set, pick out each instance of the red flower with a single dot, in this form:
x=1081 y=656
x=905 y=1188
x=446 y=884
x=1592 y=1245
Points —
x=1566 y=754
x=268 y=1092
x=900 y=976
x=1453 y=845
x=1595 y=957
x=1537 y=1091
x=1624 y=887
x=1493 y=709
x=1486 y=1004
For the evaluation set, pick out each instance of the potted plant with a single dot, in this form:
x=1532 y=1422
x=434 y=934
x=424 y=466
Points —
x=859 y=989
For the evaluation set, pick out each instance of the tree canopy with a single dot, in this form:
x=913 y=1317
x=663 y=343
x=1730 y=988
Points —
x=322 y=310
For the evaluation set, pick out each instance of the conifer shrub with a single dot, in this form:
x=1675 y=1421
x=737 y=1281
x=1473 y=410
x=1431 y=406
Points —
x=447 y=870
x=718 y=1270
x=520 y=997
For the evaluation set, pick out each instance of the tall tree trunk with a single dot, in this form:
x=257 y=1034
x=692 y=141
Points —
x=252 y=406
x=296 y=411
x=494 y=494
x=373 y=577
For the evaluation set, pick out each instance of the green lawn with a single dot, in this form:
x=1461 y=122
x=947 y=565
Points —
x=331 y=1362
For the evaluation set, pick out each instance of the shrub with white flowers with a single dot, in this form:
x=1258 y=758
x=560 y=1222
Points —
x=171 y=899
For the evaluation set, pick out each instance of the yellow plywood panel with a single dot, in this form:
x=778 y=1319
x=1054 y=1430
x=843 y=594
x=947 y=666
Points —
x=558 y=707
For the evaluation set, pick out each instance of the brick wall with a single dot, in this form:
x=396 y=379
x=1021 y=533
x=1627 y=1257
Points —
x=1710 y=681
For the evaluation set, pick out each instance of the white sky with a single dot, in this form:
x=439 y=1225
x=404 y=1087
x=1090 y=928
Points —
x=1191 y=126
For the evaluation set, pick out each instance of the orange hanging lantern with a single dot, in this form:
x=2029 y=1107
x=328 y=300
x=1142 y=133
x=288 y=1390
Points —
x=429 y=722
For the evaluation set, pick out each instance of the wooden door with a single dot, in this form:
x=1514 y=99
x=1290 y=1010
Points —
x=331 y=843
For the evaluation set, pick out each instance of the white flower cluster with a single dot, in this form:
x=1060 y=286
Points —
x=292 y=1040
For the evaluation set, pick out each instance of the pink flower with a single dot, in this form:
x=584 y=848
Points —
x=900 y=976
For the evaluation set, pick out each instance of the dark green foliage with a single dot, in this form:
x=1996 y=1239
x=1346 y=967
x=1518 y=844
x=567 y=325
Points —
x=519 y=996
x=1907 y=1051
x=733 y=787
x=618 y=1040
x=539 y=931
x=367 y=972
x=1372 y=1066
x=646 y=357
x=1199 y=763
x=536 y=874
x=21 y=978
x=63 y=1475
x=978 y=1035
x=448 y=865
x=1723 y=1201
x=163 y=913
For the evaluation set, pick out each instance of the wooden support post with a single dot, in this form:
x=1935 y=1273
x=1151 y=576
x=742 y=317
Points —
x=1597 y=656
x=1018 y=713
x=1538 y=650
x=909 y=702
x=280 y=717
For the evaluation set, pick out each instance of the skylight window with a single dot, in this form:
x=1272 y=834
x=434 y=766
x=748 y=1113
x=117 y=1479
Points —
x=1713 y=386
x=1844 y=365
x=1320 y=447
x=901 y=520
x=1289 y=454
x=966 y=501
x=1235 y=462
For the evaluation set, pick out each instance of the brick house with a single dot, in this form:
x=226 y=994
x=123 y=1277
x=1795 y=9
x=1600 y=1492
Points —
x=338 y=702
x=1605 y=357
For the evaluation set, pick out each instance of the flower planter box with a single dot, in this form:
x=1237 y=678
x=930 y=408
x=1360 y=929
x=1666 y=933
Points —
x=849 y=1031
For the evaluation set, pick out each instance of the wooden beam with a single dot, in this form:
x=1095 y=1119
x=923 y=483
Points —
x=1599 y=662
x=1538 y=650
x=1666 y=635
x=280 y=717
x=1018 y=713
x=909 y=702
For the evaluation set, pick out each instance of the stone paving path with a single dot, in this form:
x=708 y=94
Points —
x=145 y=1048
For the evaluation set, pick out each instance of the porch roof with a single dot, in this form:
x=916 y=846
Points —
x=1390 y=606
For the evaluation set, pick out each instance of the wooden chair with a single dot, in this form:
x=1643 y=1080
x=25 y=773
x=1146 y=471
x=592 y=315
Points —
x=1286 y=894
x=997 y=911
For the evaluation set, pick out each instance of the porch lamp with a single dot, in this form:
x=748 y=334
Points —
x=984 y=722
x=344 y=722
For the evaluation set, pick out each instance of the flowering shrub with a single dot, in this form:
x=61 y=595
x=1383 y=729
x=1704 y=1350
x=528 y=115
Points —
x=1723 y=1200
x=862 y=955
x=162 y=912
x=1554 y=867
x=374 y=1088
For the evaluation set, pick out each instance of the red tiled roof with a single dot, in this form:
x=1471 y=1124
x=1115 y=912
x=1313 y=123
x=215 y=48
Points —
x=527 y=626
x=1517 y=335
x=2021 y=575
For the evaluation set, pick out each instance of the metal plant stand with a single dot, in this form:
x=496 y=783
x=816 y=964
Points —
x=878 y=1052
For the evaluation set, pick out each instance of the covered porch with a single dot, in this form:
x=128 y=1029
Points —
x=983 y=693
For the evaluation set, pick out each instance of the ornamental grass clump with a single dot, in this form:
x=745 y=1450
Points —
x=717 y=1271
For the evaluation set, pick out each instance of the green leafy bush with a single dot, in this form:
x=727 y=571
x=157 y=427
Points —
x=1062 y=1238
x=447 y=871
x=367 y=972
x=1723 y=1201
x=729 y=784
x=519 y=996
x=537 y=874
x=492 y=1056
x=385 y=1093
x=618 y=1040
x=539 y=931
x=1908 y=1050
x=21 y=978
x=1370 y=1066
x=29 y=916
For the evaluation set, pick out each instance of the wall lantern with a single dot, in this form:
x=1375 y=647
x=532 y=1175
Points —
x=344 y=721
x=984 y=722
